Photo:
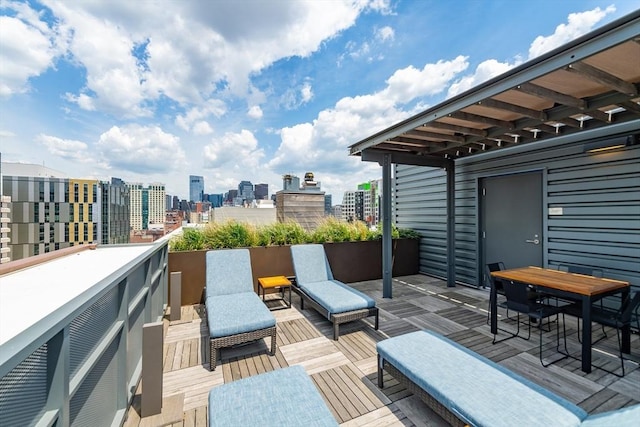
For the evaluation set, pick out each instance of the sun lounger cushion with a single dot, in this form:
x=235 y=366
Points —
x=237 y=313
x=310 y=263
x=337 y=297
x=479 y=391
x=280 y=398
x=624 y=417
x=226 y=268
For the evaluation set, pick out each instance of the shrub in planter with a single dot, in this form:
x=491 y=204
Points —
x=282 y=233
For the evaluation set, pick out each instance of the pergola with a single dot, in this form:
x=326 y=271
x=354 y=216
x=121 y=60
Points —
x=591 y=83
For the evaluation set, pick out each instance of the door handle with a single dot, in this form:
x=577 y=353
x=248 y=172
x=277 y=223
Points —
x=534 y=241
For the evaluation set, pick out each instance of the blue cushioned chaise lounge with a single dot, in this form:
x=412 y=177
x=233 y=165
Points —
x=235 y=313
x=317 y=287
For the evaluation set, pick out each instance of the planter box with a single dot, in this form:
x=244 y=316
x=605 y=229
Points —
x=350 y=262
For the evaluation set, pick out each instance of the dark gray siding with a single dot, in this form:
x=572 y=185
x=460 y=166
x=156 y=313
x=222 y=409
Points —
x=599 y=195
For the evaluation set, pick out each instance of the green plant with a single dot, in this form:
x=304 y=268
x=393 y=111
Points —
x=233 y=234
x=282 y=233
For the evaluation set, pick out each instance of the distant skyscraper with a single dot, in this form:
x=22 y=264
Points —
x=261 y=191
x=196 y=188
x=115 y=216
x=147 y=205
x=245 y=190
x=290 y=182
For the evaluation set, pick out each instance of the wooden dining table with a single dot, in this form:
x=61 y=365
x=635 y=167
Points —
x=570 y=286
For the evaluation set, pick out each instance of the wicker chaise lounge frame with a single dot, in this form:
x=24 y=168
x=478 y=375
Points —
x=429 y=400
x=337 y=318
x=231 y=340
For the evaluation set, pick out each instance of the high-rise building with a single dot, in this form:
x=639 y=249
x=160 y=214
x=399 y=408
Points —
x=48 y=210
x=261 y=191
x=196 y=188
x=147 y=205
x=114 y=227
x=245 y=191
x=363 y=204
x=327 y=204
x=305 y=205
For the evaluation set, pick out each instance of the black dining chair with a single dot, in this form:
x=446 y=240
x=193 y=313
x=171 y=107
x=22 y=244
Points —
x=574 y=308
x=518 y=296
x=497 y=284
x=618 y=319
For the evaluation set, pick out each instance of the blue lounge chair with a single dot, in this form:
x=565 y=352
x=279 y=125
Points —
x=235 y=313
x=316 y=286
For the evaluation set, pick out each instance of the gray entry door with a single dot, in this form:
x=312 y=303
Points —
x=511 y=211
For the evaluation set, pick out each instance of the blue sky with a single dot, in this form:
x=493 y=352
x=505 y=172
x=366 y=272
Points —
x=155 y=91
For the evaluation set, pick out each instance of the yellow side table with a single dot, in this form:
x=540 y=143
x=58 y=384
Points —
x=275 y=282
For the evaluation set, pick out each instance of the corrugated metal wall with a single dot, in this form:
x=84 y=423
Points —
x=599 y=197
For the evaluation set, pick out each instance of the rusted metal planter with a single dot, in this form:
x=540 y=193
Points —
x=350 y=262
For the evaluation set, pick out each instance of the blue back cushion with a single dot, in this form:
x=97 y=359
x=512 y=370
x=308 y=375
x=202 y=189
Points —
x=228 y=272
x=310 y=263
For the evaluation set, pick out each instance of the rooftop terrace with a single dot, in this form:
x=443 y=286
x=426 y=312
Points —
x=345 y=373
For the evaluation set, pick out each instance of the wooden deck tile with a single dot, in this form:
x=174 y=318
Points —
x=345 y=371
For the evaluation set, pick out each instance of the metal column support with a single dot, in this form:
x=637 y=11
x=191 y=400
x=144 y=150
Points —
x=176 y=295
x=387 y=260
x=152 y=341
x=451 y=225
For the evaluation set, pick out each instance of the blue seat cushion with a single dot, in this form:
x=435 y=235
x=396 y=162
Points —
x=477 y=390
x=237 y=313
x=624 y=417
x=337 y=297
x=280 y=398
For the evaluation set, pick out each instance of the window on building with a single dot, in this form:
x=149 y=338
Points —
x=95 y=193
x=76 y=195
x=81 y=213
x=85 y=191
x=52 y=195
x=95 y=232
x=85 y=234
x=36 y=249
x=41 y=191
x=36 y=212
x=66 y=231
x=56 y=246
x=76 y=232
x=72 y=211
x=46 y=212
x=66 y=192
x=90 y=213
x=41 y=233
x=56 y=212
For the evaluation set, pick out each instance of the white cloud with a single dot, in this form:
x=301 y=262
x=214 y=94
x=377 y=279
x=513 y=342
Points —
x=234 y=151
x=577 y=25
x=409 y=83
x=484 y=71
x=67 y=149
x=323 y=143
x=306 y=93
x=385 y=34
x=196 y=115
x=140 y=149
x=27 y=49
x=202 y=128
x=255 y=112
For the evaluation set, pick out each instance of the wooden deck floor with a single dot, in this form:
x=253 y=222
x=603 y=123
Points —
x=345 y=373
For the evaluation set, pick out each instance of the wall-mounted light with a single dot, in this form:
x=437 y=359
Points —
x=611 y=144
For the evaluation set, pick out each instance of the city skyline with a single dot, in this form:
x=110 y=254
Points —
x=156 y=94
